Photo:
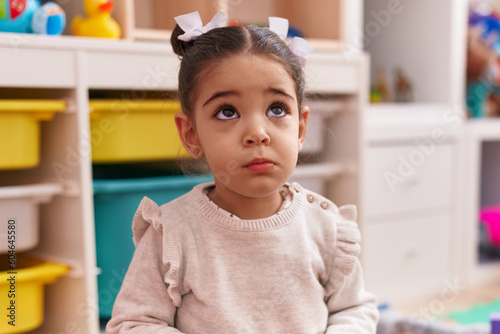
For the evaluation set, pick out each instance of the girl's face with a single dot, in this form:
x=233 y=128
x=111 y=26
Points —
x=248 y=125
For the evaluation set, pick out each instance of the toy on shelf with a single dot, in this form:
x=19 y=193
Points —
x=98 y=23
x=380 y=91
x=402 y=87
x=483 y=48
x=49 y=19
x=28 y=16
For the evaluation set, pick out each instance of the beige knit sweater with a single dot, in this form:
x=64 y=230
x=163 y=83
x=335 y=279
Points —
x=198 y=271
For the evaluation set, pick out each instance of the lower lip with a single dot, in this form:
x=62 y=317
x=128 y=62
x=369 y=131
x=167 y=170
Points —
x=261 y=167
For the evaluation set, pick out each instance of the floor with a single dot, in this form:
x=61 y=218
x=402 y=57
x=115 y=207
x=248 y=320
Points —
x=485 y=290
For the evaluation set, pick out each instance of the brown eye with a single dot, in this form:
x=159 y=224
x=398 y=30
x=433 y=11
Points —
x=226 y=112
x=276 y=111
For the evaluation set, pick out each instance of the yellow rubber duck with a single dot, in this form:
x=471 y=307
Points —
x=98 y=23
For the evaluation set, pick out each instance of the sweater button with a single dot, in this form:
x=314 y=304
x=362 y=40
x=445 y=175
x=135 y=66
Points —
x=297 y=188
x=310 y=198
x=325 y=205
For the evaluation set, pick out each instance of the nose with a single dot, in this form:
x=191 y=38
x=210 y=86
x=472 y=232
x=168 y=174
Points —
x=256 y=135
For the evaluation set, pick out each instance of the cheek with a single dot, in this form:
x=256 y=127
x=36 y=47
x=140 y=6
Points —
x=291 y=135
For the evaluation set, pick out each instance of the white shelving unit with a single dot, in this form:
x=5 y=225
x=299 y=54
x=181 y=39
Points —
x=481 y=147
x=146 y=19
x=68 y=68
x=414 y=157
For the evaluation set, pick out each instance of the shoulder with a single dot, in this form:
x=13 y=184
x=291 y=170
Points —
x=314 y=202
x=170 y=216
x=335 y=228
x=320 y=207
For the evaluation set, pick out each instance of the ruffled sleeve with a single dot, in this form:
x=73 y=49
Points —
x=351 y=308
x=149 y=214
x=348 y=247
x=142 y=305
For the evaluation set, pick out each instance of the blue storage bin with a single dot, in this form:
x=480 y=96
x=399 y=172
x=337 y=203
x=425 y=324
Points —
x=115 y=202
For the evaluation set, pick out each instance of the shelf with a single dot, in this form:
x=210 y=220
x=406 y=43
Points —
x=429 y=49
x=41 y=191
x=154 y=19
x=484 y=128
x=407 y=121
x=32 y=105
x=152 y=34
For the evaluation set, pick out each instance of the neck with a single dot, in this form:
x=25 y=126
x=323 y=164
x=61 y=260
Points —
x=247 y=208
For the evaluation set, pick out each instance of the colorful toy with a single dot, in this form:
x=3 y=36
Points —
x=495 y=323
x=483 y=49
x=98 y=23
x=490 y=217
x=27 y=16
x=49 y=19
x=402 y=87
x=16 y=15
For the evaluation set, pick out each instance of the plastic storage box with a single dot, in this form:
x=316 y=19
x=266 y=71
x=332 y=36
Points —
x=19 y=211
x=131 y=131
x=20 y=130
x=115 y=203
x=30 y=276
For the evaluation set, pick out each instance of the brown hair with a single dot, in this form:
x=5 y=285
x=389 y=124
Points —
x=220 y=43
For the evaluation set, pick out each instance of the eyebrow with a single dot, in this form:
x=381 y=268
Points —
x=221 y=94
x=270 y=90
x=280 y=92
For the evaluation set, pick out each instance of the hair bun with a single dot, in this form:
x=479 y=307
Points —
x=178 y=46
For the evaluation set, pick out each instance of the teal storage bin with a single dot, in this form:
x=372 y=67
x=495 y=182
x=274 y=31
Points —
x=115 y=203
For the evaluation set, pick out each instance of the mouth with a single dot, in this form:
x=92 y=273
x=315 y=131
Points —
x=260 y=165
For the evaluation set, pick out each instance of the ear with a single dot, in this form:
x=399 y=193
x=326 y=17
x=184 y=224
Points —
x=304 y=114
x=188 y=135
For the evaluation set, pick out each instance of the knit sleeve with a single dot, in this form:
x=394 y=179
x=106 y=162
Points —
x=348 y=246
x=148 y=214
x=351 y=308
x=149 y=297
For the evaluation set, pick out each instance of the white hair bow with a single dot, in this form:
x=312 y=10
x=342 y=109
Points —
x=299 y=46
x=193 y=27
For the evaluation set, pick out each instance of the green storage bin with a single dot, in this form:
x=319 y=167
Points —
x=115 y=203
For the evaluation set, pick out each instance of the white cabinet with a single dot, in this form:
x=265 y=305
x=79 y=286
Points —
x=408 y=177
x=413 y=180
x=407 y=252
x=411 y=194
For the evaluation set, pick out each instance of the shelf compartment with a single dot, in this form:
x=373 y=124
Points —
x=19 y=206
x=317 y=123
x=134 y=131
x=20 y=130
x=154 y=19
x=31 y=275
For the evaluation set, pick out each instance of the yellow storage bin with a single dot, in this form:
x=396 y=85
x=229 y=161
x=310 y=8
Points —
x=22 y=302
x=20 y=130
x=128 y=131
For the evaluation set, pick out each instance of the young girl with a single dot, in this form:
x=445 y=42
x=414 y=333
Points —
x=248 y=253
